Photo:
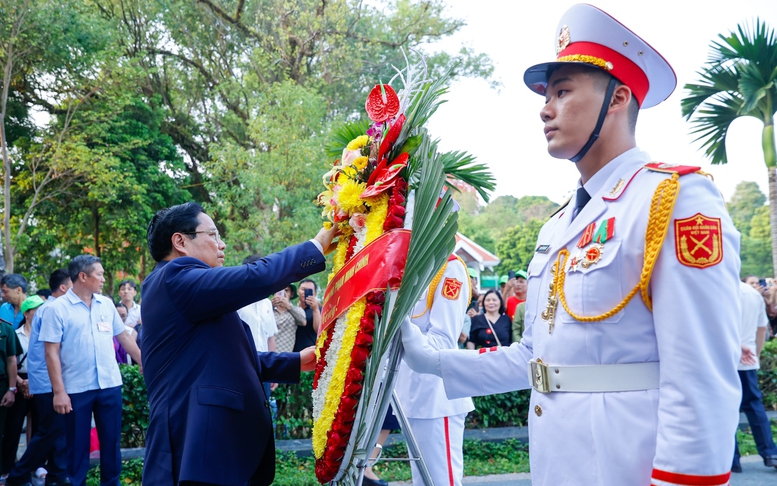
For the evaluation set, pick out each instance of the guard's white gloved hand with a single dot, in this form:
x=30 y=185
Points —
x=419 y=355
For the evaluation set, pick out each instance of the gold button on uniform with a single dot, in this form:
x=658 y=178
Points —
x=538 y=410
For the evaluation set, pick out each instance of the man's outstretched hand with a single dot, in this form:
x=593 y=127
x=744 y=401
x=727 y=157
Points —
x=307 y=359
x=325 y=237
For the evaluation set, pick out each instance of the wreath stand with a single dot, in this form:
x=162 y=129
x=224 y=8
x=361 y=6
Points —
x=379 y=407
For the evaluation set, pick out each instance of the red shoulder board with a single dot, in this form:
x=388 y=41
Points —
x=453 y=257
x=672 y=168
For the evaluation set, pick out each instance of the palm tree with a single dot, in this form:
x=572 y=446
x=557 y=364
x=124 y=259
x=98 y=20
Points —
x=739 y=79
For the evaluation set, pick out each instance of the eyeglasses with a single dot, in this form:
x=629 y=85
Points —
x=214 y=234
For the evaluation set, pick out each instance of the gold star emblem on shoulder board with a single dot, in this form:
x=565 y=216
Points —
x=699 y=221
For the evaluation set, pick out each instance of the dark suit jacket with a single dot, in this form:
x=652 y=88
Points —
x=210 y=420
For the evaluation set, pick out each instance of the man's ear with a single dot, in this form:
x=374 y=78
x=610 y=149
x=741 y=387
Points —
x=621 y=98
x=179 y=243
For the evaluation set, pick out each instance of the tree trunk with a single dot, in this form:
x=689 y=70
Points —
x=770 y=158
x=96 y=215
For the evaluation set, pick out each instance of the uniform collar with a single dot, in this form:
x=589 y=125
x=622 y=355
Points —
x=599 y=180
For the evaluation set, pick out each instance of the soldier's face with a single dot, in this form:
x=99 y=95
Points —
x=572 y=104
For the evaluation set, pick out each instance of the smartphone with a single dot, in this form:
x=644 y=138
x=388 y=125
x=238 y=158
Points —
x=510 y=275
x=762 y=282
x=280 y=293
x=308 y=293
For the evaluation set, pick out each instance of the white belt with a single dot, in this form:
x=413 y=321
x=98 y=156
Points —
x=547 y=378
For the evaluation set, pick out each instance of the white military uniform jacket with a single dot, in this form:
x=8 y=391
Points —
x=679 y=433
x=423 y=396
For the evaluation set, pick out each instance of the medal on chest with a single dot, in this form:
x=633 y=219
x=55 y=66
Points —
x=591 y=244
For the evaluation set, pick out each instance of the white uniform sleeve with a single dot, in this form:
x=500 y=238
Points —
x=697 y=310
x=446 y=316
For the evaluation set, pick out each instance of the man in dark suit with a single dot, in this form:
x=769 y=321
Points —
x=210 y=419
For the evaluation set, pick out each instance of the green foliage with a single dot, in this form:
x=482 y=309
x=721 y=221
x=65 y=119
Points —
x=131 y=474
x=751 y=218
x=767 y=375
x=516 y=248
x=502 y=410
x=486 y=226
x=295 y=409
x=738 y=80
x=134 y=405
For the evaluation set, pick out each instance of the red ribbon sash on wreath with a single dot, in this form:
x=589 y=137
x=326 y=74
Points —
x=377 y=266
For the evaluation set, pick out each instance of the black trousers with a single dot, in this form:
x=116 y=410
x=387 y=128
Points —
x=48 y=445
x=14 y=427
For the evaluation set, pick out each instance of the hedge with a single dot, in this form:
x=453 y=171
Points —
x=295 y=405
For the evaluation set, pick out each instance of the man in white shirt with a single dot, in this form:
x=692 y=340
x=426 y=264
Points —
x=753 y=327
x=261 y=320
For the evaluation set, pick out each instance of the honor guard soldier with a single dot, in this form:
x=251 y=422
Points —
x=436 y=421
x=631 y=340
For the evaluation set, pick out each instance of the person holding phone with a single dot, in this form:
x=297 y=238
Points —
x=307 y=333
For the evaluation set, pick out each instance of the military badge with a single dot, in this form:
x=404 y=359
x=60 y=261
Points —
x=593 y=255
x=563 y=39
x=698 y=241
x=451 y=288
x=587 y=236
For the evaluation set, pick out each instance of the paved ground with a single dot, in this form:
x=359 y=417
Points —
x=753 y=474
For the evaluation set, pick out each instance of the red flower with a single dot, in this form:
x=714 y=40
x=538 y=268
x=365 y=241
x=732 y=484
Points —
x=351 y=246
x=363 y=339
x=352 y=389
x=359 y=356
x=382 y=103
x=391 y=137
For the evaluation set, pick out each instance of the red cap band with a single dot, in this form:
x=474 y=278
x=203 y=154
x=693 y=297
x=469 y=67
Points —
x=623 y=68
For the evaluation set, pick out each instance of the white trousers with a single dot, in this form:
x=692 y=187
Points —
x=440 y=441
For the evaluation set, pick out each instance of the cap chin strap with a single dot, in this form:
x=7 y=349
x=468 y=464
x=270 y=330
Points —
x=602 y=113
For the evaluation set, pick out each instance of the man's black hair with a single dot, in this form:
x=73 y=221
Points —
x=57 y=278
x=501 y=301
x=129 y=282
x=81 y=263
x=43 y=293
x=13 y=280
x=166 y=222
x=252 y=258
x=315 y=287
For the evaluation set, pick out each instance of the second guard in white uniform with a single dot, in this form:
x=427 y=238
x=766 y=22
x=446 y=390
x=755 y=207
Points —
x=437 y=422
x=632 y=314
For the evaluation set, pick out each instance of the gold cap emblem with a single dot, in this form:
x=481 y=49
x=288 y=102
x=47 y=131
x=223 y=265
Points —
x=563 y=39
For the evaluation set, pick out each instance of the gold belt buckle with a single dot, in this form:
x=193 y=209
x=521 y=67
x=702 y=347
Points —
x=539 y=373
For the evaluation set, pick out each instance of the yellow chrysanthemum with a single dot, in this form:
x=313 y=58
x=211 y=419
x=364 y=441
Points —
x=337 y=385
x=377 y=216
x=327 y=224
x=348 y=196
x=358 y=142
x=361 y=162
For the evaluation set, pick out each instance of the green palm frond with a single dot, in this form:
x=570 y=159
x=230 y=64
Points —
x=463 y=167
x=342 y=135
x=755 y=42
x=713 y=81
x=740 y=79
x=753 y=86
x=712 y=123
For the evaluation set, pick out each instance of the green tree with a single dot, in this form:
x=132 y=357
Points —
x=738 y=80
x=516 y=247
x=746 y=199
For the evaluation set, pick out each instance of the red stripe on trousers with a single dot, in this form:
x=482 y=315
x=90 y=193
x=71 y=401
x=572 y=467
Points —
x=448 y=451
x=691 y=480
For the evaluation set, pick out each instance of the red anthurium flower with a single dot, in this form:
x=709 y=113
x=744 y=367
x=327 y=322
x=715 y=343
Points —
x=385 y=178
x=382 y=103
x=391 y=137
